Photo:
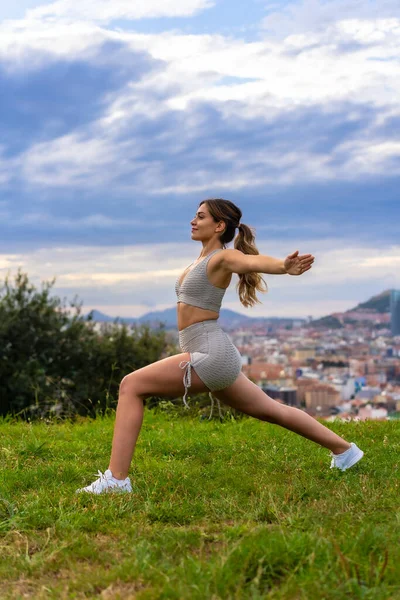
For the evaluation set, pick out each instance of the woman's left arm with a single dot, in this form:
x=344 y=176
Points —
x=235 y=261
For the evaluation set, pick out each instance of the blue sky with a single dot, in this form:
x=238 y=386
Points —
x=116 y=121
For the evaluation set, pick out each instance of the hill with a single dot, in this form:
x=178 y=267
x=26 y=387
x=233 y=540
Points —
x=240 y=509
x=379 y=305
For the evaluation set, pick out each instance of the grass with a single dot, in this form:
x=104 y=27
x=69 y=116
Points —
x=232 y=510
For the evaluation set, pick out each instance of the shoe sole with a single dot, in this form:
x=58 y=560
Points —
x=106 y=491
x=355 y=460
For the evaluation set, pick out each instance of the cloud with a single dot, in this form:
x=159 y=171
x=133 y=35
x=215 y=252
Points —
x=319 y=15
x=134 y=278
x=123 y=131
x=56 y=95
x=95 y=221
x=370 y=158
x=104 y=11
x=162 y=114
x=213 y=150
x=354 y=212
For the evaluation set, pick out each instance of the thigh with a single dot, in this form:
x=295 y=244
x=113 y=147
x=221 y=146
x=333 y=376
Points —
x=246 y=396
x=163 y=378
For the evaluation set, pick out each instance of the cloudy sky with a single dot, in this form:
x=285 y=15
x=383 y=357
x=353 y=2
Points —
x=118 y=118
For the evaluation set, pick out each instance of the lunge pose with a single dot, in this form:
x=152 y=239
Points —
x=209 y=360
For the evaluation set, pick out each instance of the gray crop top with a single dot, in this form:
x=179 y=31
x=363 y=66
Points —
x=197 y=290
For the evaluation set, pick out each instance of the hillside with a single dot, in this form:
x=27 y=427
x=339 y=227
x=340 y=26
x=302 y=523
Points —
x=240 y=509
x=379 y=304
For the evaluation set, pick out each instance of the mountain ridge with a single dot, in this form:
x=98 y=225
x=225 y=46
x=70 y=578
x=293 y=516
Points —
x=380 y=303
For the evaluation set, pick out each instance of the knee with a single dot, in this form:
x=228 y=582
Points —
x=127 y=384
x=131 y=385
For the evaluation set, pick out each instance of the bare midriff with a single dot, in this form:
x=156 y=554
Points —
x=188 y=314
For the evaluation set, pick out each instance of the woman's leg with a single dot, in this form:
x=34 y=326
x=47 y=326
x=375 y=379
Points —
x=246 y=396
x=128 y=422
x=163 y=378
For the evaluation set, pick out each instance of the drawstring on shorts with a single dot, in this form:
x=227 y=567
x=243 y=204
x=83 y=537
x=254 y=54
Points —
x=212 y=406
x=187 y=382
x=187 y=378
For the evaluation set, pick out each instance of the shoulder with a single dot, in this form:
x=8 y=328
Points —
x=235 y=261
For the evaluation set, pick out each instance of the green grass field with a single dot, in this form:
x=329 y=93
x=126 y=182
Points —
x=241 y=510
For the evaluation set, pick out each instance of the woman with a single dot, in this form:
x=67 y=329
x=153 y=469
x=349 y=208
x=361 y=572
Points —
x=209 y=359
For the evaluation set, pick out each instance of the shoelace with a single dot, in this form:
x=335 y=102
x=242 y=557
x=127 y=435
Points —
x=101 y=477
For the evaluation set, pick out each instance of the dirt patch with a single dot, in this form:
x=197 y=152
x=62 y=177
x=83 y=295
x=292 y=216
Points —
x=21 y=588
x=28 y=588
x=120 y=590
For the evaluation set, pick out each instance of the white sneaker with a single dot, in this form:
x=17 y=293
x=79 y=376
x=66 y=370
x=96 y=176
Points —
x=107 y=483
x=348 y=458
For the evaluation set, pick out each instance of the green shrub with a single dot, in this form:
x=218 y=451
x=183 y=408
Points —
x=55 y=362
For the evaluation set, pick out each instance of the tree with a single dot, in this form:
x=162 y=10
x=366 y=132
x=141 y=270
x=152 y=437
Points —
x=52 y=360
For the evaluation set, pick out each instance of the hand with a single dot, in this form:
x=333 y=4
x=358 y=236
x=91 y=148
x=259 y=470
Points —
x=297 y=265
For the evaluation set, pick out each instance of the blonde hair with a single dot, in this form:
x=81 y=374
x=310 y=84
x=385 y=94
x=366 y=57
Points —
x=227 y=211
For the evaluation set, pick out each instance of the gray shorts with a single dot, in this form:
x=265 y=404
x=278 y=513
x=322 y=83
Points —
x=214 y=357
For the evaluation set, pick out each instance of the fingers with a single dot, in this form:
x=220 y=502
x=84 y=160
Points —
x=306 y=264
x=304 y=261
x=307 y=259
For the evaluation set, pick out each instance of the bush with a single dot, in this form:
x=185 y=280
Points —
x=55 y=362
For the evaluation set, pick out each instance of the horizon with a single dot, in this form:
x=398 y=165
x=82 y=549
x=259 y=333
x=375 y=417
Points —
x=306 y=318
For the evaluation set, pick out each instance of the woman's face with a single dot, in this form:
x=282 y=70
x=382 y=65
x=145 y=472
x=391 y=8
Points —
x=203 y=225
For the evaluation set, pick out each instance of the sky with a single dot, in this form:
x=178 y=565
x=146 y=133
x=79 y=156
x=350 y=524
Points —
x=118 y=118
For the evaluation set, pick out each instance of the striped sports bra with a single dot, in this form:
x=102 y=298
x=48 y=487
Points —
x=197 y=290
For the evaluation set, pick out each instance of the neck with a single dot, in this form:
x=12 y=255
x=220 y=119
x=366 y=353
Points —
x=206 y=251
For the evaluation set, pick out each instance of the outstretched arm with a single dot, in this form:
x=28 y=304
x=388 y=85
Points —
x=235 y=261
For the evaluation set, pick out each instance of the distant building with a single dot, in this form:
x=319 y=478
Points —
x=369 y=412
x=322 y=396
x=303 y=353
x=368 y=393
x=246 y=359
x=262 y=372
x=288 y=395
x=303 y=385
x=346 y=387
x=395 y=312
